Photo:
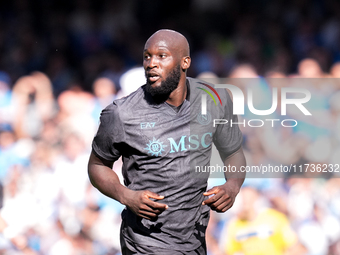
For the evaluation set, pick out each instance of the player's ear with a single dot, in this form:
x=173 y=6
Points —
x=186 y=61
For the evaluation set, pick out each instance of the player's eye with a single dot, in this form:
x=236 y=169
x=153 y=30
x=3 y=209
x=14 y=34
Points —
x=162 y=55
x=146 y=57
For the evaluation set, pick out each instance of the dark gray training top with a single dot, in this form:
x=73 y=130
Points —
x=160 y=148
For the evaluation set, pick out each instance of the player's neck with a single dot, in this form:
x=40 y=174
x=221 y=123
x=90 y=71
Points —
x=178 y=96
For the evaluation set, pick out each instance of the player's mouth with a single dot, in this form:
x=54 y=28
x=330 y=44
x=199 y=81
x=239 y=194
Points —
x=152 y=76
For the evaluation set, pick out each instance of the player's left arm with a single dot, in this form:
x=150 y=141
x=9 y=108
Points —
x=223 y=196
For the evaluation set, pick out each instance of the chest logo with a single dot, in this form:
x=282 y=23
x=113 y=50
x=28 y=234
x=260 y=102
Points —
x=155 y=147
x=145 y=125
x=204 y=119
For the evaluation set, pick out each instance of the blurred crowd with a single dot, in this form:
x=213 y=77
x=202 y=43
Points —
x=294 y=212
x=75 y=41
x=62 y=62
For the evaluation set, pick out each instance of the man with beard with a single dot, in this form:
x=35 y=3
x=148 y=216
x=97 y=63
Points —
x=157 y=133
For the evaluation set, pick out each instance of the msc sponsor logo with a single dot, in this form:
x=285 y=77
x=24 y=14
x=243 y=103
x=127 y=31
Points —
x=192 y=142
x=155 y=147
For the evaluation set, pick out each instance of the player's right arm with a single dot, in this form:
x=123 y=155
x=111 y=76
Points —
x=107 y=182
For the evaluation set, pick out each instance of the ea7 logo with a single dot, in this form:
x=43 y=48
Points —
x=145 y=125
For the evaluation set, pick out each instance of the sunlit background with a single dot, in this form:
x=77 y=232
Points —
x=61 y=62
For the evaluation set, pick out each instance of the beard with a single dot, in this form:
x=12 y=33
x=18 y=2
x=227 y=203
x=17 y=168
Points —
x=166 y=86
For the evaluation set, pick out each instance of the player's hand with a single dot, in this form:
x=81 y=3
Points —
x=222 y=197
x=140 y=203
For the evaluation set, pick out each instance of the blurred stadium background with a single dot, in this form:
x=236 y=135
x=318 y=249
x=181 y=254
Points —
x=62 y=61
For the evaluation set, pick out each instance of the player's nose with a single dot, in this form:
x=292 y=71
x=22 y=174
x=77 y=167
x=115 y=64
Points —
x=152 y=62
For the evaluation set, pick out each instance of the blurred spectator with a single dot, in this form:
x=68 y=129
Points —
x=33 y=104
x=209 y=77
x=75 y=115
x=243 y=71
x=275 y=74
x=317 y=227
x=6 y=109
x=69 y=170
x=310 y=68
x=259 y=230
x=335 y=70
x=131 y=80
x=105 y=92
x=13 y=152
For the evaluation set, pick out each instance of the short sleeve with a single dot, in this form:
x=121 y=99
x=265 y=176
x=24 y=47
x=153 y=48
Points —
x=228 y=138
x=110 y=135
